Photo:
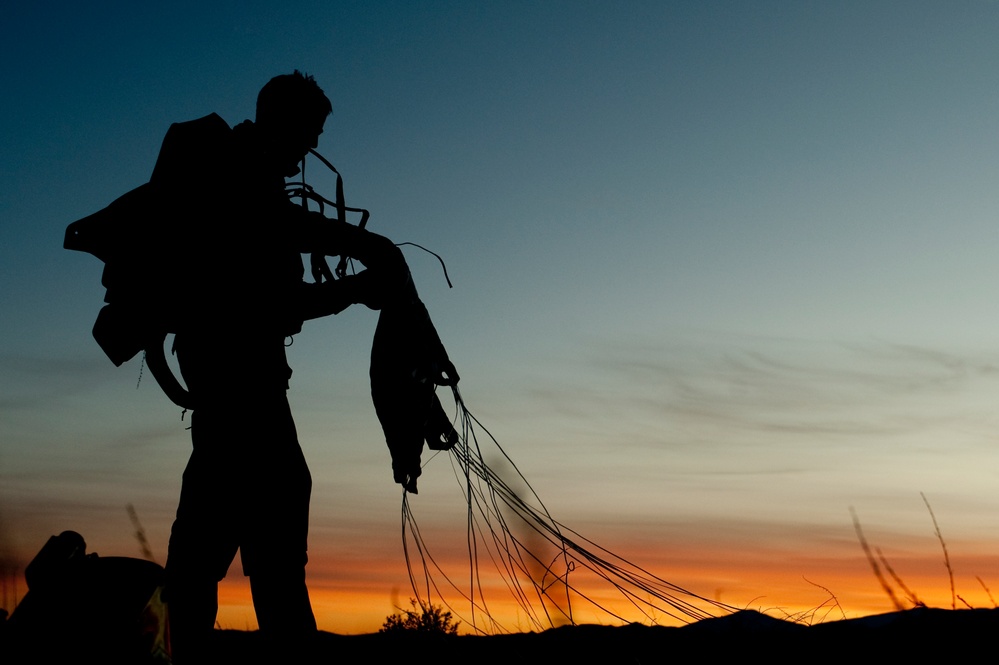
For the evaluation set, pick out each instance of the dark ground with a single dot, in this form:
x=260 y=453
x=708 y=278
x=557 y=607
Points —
x=920 y=634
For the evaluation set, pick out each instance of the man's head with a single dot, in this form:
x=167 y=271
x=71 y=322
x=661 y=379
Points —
x=291 y=111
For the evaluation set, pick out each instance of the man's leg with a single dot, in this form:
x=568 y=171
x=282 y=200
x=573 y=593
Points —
x=276 y=549
x=203 y=543
x=193 y=605
x=281 y=601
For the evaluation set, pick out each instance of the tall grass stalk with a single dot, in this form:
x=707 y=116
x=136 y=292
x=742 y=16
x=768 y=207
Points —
x=987 y=592
x=898 y=580
x=950 y=571
x=874 y=562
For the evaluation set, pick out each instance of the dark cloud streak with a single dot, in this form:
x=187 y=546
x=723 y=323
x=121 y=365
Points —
x=778 y=388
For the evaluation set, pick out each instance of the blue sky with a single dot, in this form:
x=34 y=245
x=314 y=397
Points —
x=725 y=269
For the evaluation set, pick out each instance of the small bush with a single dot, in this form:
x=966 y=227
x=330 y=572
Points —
x=431 y=620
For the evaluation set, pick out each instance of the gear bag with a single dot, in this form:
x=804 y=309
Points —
x=80 y=607
x=142 y=240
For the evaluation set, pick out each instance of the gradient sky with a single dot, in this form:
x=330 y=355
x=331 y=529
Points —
x=722 y=271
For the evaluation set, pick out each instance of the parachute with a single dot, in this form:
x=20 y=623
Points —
x=408 y=362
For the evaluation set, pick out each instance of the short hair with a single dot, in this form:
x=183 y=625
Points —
x=290 y=97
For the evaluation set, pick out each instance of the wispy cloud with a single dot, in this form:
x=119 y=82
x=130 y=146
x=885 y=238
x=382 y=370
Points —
x=755 y=387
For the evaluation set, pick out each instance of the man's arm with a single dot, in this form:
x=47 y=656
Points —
x=316 y=233
x=318 y=300
x=386 y=277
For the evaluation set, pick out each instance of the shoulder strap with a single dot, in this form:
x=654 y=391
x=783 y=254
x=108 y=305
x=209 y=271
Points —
x=156 y=361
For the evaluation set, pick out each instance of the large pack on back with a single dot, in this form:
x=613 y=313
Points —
x=144 y=239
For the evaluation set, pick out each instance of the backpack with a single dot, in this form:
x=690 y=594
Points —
x=142 y=240
x=81 y=607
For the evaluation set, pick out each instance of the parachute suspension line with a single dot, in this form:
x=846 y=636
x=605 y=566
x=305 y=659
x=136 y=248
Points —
x=498 y=488
x=443 y=267
x=423 y=575
x=512 y=530
x=302 y=190
x=428 y=587
x=478 y=504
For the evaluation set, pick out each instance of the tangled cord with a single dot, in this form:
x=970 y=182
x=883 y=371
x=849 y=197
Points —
x=542 y=585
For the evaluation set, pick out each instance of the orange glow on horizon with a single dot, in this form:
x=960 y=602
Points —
x=781 y=584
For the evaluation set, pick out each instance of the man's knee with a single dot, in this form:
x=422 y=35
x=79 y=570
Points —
x=281 y=602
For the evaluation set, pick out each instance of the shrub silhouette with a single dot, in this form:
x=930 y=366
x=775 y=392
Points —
x=431 y=619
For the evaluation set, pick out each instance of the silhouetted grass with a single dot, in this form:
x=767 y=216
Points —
x=950 y=571
x=877 y=560
x=875 y=566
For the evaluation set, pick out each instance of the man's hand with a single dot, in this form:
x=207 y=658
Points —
x=407 y=478
x=447 y=375
x=364 y=288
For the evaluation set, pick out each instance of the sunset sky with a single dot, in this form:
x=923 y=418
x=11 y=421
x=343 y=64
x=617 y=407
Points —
x=722 y=272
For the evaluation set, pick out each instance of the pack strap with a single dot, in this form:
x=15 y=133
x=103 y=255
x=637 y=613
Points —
x=320 y=268
x=158 y=367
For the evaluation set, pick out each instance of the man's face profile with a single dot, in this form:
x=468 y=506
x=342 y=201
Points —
x=290 y=143
x=291 y=112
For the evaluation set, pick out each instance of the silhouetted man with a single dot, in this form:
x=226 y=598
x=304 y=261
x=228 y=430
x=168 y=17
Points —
x=247 y=485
